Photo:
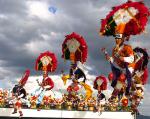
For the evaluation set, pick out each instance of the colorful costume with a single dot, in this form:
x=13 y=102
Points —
x=46 y=85
x=19 y=93
x=100 y=84
x=139 y=78
x=119 y=87
x=88 y=90
x=124 y=58
x=72 y=90
x=47 y=62
x=123 y=21
x=76 y=73
x=74 y=48
x=140 y=75
x=131 y=16
x=136 y=97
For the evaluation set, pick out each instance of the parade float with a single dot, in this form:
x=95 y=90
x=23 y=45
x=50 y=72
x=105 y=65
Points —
x=128 y=76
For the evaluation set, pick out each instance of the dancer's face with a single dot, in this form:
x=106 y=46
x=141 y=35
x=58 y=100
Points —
x=44 y=75
x=73 y=67
x=119 y=41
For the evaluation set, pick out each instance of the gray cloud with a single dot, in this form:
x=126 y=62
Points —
x=23 y=36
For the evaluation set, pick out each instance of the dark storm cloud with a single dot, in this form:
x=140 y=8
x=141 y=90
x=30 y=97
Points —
x=19 y=31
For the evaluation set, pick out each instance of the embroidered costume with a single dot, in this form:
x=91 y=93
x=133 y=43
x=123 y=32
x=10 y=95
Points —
x=47 y=62
x=19 y=93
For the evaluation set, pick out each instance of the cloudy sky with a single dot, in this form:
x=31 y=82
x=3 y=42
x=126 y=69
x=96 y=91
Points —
x=27 y=28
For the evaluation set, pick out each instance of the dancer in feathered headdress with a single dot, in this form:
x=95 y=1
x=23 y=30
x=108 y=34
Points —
x=74 y=49
x=123 y=21
x=19 y=93
x=46 y=62
x=100 y=84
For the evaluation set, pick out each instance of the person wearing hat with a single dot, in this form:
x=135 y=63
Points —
x=18 y=94
x=100 y=84
x=46 y=85
x=122 y=60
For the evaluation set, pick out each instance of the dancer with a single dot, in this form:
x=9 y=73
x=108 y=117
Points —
x=19 y=94
x=46 y=85
x=100 y=84
x=47 y=62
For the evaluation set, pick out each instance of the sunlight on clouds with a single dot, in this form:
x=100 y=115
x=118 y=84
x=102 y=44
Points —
x=39 y=9
x=45 y=36
x=51 y=36
x=36 y=47
x=3 y=17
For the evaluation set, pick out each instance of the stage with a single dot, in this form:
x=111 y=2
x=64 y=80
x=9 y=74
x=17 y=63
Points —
x=28 y=113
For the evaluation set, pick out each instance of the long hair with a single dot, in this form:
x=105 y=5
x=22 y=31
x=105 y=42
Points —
x=142 y=63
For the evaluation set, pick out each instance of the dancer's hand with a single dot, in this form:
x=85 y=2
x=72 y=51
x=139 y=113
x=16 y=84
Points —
x=40 y=84
x=121 y=58
x=110 y=59
x=18 y=98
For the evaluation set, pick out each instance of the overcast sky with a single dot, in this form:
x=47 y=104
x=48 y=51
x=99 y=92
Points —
x=28 y=28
